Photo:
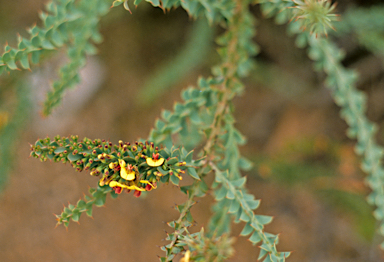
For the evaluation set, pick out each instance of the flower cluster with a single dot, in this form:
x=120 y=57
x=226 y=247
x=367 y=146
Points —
x=137 y=167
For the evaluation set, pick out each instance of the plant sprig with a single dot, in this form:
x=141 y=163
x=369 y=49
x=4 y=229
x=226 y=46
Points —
x=342 y=83
x=138 y=167
x=67 y=23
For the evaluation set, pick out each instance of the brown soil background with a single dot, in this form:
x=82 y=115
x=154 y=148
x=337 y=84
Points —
x=130 y=229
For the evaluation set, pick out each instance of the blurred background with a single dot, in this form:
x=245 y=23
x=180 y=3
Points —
x=305 y=171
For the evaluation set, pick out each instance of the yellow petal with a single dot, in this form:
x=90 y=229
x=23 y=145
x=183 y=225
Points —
x=122 y=163
x=153 y=162
x=127 y=175
x=114 y=183
x=186 y=256
x=149 y=183
x=133 y=187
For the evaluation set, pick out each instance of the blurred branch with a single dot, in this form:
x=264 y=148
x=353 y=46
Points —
x=11 y=130
x=168 y=74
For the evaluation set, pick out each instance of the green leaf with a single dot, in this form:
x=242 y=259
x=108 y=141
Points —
x=56 y=38
x=100 y=201
x=114 y=195
x=160 y=124
x=248 y=229
x=72 y=157
x=59 y=150
x=220 y=194
x=234 y=207
x=203 y=188
x=172 y=160
x=192 y=172
x=81 y=205
x=47 y=45
x=245 y=164
x=239 y=182
x=184 y=153
x=189 y=157
x=175 y=180
x=255 y=238
x=164 y=179
x=89 y=211
x=253 y=204
x=230 y=195
x=268 y=258
x=264 y=220
x=262 y=254
x=24 y=61
x=165 y=154
x=244 y=217
x=185 y=189
x=116 y=3
x=11 y=65
x=76 y=216
x=162 y=171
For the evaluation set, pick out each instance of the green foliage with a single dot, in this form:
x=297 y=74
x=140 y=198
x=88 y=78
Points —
x=205 y=117
x=139 y=167
x=205 y=249
x=97 y=198
x=203 y=120
x=180 y=226
x=316 y=15
x=241 y=205
x=342 y=83
x=69 y=23
x=208 y=111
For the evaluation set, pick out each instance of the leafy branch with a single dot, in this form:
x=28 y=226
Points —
x=241 y=205
x=73 y=212
x=67 y=23
x=342 y=83
x=184 y=221
x=139 y=167
x=209 y=109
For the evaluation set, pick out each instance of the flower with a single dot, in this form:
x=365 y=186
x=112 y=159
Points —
x=137 y=193
x=155 y=160
x=111 y=165
x=126 y=172
x=149 y=186
x=186 y=256
x=130 y=187
x=118 y=190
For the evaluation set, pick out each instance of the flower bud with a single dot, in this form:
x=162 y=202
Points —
x=148 y=187
x=118 y=190
x=111 y=165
